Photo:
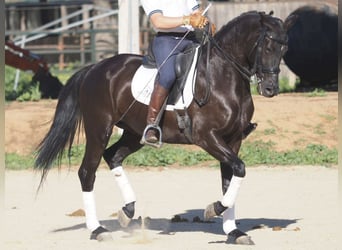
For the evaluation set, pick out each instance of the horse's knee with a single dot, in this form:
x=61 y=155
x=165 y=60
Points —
x=239 y=168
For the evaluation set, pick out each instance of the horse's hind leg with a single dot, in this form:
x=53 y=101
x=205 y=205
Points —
x=114 y=156
x=97 y=139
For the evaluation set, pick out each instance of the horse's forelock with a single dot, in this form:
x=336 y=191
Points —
x=272 y=23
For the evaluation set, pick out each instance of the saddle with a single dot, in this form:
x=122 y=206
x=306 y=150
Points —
x=182 y=67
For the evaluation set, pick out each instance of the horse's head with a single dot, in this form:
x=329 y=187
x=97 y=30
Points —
x=268 y=52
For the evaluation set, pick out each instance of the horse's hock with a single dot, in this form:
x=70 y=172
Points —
x=312 y=51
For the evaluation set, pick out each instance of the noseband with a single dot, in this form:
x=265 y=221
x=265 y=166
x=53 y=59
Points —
x=258 y=67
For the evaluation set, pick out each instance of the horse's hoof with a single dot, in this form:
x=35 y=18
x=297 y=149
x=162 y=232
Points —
x=123 y=219
x=244 y=240
x=240 y=238
x=101 y=234
x=209 y=212
x=104 y=237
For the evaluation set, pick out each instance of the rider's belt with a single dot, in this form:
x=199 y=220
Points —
x=190 y=36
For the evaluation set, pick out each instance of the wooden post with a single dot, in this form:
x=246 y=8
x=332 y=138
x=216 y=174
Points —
x=61 y=38
x=86 y=26
x=129 y=26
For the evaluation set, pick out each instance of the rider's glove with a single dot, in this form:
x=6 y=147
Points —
x=196 y=20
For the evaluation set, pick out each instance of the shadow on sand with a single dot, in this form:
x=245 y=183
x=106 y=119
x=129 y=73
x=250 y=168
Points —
x=189 y=222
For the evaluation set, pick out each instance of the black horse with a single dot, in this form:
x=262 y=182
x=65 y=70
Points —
x=99 y=98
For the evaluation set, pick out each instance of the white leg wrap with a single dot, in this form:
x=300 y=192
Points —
x=90 y=210
x=229 y=220
x=229 y=197
x=124 y=185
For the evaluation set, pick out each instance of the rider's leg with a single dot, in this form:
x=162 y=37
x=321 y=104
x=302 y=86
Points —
x=165 y=49
x=158 y=98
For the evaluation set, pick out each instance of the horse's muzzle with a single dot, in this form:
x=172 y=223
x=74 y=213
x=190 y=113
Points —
x=268 y=87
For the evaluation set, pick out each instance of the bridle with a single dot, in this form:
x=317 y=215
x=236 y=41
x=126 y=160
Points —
x=257 y=69
x=258 y=46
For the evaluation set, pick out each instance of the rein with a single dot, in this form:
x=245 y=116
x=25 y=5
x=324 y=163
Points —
x=245 y=72
x=201 y=102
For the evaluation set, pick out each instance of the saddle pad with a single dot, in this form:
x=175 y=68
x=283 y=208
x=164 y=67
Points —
x=143 y=83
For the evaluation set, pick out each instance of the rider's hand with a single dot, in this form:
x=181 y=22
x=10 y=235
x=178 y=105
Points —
x=196 y=20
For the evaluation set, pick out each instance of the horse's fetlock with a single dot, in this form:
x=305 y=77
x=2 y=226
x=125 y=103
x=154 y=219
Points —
x=129 y=209
x=219 y=208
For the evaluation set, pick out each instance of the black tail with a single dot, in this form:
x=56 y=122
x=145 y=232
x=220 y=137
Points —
x=66 y=121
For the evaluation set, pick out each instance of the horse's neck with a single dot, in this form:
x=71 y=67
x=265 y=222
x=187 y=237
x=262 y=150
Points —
x=239 y=39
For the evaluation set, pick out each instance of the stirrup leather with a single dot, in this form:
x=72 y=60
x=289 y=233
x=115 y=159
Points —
x=143 y=140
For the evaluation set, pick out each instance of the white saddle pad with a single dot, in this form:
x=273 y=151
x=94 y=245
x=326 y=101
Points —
x=143 y=83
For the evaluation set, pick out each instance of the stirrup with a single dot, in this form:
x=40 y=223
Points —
x=143 y=140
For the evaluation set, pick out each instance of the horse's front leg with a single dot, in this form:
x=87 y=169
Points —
x=226 y=207
x=221 y=151
x=232 y=173
x=235 y=236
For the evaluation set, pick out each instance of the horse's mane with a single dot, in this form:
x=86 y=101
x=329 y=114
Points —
x=233 y=23
x=245 y=22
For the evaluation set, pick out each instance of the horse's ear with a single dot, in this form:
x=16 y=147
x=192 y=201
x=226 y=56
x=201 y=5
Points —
x=290 y=21
x=271 y=13
x=262 y=17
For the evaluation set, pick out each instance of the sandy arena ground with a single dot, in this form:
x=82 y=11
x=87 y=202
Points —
x=280 y=207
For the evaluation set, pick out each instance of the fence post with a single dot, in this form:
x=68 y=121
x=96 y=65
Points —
x=86 y=26
x=61 y=37
x=129 y=26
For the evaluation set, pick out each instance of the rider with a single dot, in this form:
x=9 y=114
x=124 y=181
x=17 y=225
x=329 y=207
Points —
x=174 y=21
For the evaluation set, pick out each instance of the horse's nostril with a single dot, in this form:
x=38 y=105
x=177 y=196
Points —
x=269 y=92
